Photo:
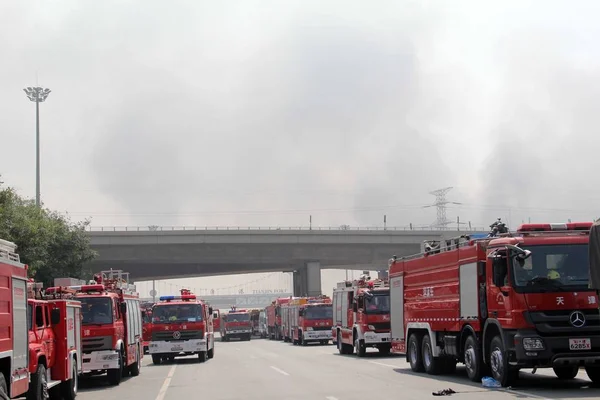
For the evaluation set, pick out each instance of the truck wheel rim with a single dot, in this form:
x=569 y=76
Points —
x=75 y=377
x=413 y=352
x=470 y=360
x=497 y=363
x=427 y=354
x=44 y=385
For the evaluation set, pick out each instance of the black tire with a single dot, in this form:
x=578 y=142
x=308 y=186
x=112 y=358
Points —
x=68 y=389
x=501 y=370
x=473 y=359
x=156 y=359
x=202 y=356
x=413 y=352
x=340 y=346
x=211 y=352
x=136 y=367
x=433 y=365
x=360 y=348
x=593 y=373
x=115 y=375
x=566 y=373
x=3 y=387
x=38 y=386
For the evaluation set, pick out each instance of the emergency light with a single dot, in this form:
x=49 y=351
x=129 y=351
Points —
x=183 y=297
x=571 y=226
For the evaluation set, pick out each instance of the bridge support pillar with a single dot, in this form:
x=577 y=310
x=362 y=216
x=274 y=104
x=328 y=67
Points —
x=307 y=279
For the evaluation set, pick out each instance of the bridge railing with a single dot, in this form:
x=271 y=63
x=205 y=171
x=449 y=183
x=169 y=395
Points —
x=156 y=228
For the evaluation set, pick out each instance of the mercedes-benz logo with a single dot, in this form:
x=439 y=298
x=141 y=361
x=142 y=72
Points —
x=176 y=335
x=577 y=319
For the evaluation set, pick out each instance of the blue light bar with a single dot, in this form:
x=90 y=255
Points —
x=166 y=298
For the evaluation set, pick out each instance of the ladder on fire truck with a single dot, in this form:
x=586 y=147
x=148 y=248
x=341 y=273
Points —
x=8 y=251
x=364 y=281
x=429 y=247
x=115 y=279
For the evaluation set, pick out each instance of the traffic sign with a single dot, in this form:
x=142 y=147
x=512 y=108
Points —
x=152 y=292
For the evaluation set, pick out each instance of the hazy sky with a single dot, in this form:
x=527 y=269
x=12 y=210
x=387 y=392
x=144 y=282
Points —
x=265 y=112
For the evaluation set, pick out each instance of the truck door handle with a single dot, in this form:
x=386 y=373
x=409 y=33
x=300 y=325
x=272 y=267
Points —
x=494 y=313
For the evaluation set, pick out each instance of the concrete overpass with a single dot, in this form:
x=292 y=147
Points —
x=178 y=253
x=224 y=302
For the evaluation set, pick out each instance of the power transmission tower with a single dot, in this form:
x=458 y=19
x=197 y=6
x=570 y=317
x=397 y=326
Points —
x=440 y=203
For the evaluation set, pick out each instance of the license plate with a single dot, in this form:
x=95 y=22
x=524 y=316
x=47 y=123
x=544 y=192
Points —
x=580 y=344
x=176 y=348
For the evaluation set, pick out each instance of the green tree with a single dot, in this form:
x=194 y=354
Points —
x=48 y=242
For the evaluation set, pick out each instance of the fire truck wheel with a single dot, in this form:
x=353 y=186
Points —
x=433 y=365
x=202 y=356
x=566 y=372
x=473 y=359
x=3 y=387
x=414 y=353
x=593 y=373
x=115 y=375
x=361 y=349
x=68 y=388
x=155 y=359
x=135 y=368
x=501 y=371
x=38 y=386
x=211 y=353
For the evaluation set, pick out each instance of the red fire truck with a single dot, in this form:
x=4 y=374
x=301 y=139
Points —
x=182 y=325
x=53 y=320
x=311 y=320
x=236 y=324
x=217 y=320
x=499 y=303
x=361 y=316
x=112 y=325
x=146 y=325
x=40 y=339
x=274 y=318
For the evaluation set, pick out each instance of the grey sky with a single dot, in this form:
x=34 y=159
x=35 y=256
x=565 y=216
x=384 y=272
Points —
x=262 y=113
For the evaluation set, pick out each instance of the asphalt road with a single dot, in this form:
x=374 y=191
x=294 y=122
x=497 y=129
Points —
x=269 y=370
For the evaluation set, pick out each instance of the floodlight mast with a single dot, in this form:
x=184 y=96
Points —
x=37 y=95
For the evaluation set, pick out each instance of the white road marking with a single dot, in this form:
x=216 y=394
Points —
x=524 y=394
x=384 y=364
x=331 y=398
x=237 y=348
x=282 y=372
x=166 y=383
x=253 y=357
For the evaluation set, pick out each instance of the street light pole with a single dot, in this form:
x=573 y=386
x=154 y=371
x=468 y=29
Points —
x=37 y=95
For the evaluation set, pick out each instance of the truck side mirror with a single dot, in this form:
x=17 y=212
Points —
x=354 y=307
x=123 y=308
x=143 y=314
x=300 y=313
x=210 y=310
x=55 y=316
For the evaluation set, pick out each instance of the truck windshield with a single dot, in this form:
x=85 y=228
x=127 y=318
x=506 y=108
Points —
x=238 y=318
x=318 y=312
x=173 y=313
x=552 y=268
x=379 y=303
x=96 y=310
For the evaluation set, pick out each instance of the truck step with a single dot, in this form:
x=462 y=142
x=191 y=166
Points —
x=51 y=384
